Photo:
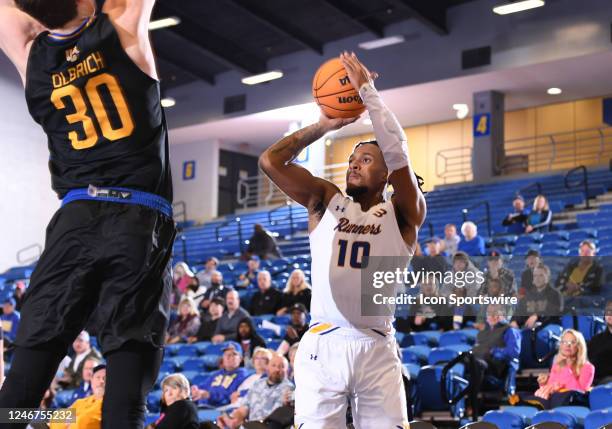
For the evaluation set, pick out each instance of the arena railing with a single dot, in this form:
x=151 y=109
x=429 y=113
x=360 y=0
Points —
x=486 y=218
x=582 y=182
x=288 y=217
x=532 y=154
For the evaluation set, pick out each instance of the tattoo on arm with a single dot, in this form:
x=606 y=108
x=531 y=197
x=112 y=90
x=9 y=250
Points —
x=290 y=147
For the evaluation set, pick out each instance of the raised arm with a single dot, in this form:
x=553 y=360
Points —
x=17 y=31
x=407 y=198
x=295 y=181
x=131 y=20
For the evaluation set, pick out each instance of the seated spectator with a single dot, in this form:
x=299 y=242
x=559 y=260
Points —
x=296 y=291
x=532 y=260
x=264 y=397
x=196 y=291
x=497 y=271
x=182 y=277
x=209 y=323
x=296 y=329
x=71 y=369
x=426 y=317
x=249 y=340
x=540 y=216
x=227 y=327
x=85 y=388
x=516 y=222
x=262 y=244
x=88 y=410
x=543 y=305
x=249 y=278
x=178 y=411
x=473 y=244
x=600 y=350
x=451 y=240
x=261 y=359
x=497 y=345
x=209 y=267
x=186 y=324
x=570 y=376
x=267 y=300
x=492 y=288
x=583 y=275
x=10 y=321
x=433 y=261
x=466 y=281
x=216 y=290
x=217 y=389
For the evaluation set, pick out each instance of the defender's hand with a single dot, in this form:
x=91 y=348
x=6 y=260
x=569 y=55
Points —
x=358 y=73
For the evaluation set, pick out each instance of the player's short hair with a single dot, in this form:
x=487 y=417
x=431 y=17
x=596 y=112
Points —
x=420 y=180
x=50 y=13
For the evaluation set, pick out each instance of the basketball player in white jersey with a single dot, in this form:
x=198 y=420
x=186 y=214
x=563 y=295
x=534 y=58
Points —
x=346 y=356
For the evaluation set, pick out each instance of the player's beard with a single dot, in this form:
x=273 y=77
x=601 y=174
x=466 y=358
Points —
x=356 y=191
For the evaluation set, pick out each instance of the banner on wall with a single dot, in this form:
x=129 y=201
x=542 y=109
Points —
x=189 y=168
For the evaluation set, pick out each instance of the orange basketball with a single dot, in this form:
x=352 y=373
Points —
x=334 y=92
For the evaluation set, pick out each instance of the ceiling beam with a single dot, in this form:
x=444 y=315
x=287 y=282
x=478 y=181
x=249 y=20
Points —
x=216 y=47
x=430 y=13
x=176 y=62
x=254 y=9
x=365 y=22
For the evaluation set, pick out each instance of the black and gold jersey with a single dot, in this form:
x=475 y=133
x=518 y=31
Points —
x=101 y=113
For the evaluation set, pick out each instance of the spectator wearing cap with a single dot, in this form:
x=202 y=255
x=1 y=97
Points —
x=262 y=244
x=542 y=305
x=88 y=410
x=433 y=261
x=473 y=244
x=491 y=289
x=249 y=339
x=72 y=368
x=583 y=275
x=85 y=388
x=296 y=291
x=516 y=221
x=209 y=324
x=178 y=411
x=265 y=396
x=296 y=329
x=248 y=279
x=10 y=320
x=216 y=290
x=532 y=260
x=209 y=267
x=261 y=359
x=186 y=324
x=228 y=323
x=497 y=271
x=267 y=300
x=540 y=216
x=451 y=240
x=600 y=349
x=217 y=388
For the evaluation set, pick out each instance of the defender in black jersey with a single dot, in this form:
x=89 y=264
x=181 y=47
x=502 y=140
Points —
x=91 y=84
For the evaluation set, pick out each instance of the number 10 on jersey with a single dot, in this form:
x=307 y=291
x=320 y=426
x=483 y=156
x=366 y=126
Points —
x=358 y=251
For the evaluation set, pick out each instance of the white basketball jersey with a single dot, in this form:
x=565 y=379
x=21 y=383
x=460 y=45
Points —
x=338 y=245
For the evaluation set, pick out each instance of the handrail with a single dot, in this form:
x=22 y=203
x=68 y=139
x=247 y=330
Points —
x=584 y=182
x=523 y=190
x=225 y=237
x=32 y=258
x=533 y=339
x=288 y=216
x=179 y=208
x=487 y=218
x=183 y=240
x=454 y=162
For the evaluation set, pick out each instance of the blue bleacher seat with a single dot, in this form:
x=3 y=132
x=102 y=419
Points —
x=412 y=369
x=600 y=397
x=525 y=412
x=211 y=361
x=168 y=366
x=420 y=351
x=409 y=356
x=191 y=375
x=187 y=350
x=63 y=398
x=441 y=354
x=414 y=339
x=453 y=337
x=199 y=379
x=273 y=344
x=504 y=419
x=201 y=346
x=579 y=413
x=172 y=349
x=214 y=349
x=567 y=420
x=433 y=337
x=153 y=401
x=208 y=415
x=598 y=419
x=193 y=365
x=429 y=396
